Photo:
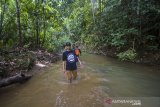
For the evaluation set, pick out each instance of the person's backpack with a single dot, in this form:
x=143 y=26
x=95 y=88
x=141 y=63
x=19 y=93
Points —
x=77 y=51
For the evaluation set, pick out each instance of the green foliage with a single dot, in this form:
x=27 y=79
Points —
x=10 y=43
x=1 y=44
x=99 y=24
x=130 y=54
x=120 y=24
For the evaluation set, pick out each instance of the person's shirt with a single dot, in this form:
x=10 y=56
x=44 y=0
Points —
x=70 y=58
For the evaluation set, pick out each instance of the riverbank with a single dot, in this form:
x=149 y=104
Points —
x=21 y=62
x=143 y=58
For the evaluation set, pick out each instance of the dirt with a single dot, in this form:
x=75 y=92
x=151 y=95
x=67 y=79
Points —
x=16 y=62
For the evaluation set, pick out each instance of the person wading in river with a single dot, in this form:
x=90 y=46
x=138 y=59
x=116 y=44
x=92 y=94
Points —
x=77 y=51
x=69 y=63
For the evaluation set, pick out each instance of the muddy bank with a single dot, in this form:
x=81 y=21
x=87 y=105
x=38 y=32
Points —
x=13 y=63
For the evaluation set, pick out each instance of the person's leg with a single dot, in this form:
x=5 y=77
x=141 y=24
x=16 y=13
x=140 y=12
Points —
x=74 y=74
x=69 y=76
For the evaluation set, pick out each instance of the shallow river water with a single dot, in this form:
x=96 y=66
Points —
x=102 y=82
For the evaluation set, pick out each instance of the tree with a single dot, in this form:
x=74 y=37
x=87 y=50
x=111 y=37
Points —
x=18 y=22
x=3 y=9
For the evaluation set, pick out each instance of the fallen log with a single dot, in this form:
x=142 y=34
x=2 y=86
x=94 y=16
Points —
x=20 y=78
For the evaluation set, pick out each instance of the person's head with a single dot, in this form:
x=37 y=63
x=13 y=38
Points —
x=68 y=46
x=76 y=46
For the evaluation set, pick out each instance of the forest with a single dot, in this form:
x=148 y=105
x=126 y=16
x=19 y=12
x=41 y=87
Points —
x=119 y=41
x=126 y=29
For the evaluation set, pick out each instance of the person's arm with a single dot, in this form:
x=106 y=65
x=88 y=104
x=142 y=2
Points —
x=79 y=61
x=64 y=62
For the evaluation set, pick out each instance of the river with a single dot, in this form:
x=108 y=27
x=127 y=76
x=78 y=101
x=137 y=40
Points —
x=102 y=82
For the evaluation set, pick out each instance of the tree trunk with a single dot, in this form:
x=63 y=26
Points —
x=20 y=78
x=100 y=6
x=139 y=15
x=159 y=37
x=133 y=45
x=37 y=3
x=3 y=6
x=37 y=32
x=44 y=23
x=139 y=19
x=93 y=10
x=18 y=23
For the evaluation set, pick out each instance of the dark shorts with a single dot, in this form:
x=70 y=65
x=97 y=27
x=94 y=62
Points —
x=71 y=69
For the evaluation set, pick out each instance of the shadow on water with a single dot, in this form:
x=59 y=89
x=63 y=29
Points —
x=101 y=78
